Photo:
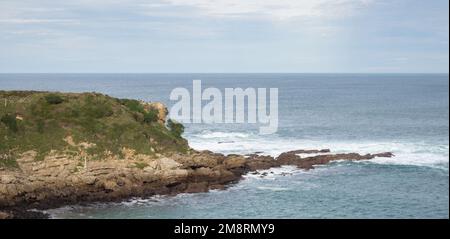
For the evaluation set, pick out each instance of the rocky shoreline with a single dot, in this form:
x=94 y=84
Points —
x=58 y=181
x=61 y=149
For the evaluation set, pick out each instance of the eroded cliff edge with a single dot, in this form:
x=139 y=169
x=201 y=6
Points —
x=66 y=148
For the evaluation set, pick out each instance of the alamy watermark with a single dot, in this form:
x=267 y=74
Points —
x=228 y=107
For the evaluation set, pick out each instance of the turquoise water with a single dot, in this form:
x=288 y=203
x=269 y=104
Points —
x=404 y=113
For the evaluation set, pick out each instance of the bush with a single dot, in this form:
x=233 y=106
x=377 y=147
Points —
x=40 y=125
x=96 y=108
x=98 y=111
x=10 y=121
x=132 y=105
x=151 y=116
x=135 y=106
x=176 y=128
x=54 y=99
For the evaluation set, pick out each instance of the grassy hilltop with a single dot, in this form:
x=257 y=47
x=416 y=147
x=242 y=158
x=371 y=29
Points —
x=97 y=125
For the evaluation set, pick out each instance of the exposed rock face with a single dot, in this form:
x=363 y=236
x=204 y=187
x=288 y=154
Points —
x=257 y=162
x=5 y=215
x=160 y=107
x=59 y=180
x=292 y=158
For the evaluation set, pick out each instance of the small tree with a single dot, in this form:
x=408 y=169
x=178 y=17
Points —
x=176 y=128
x=10 y=121
x=151 y=116
x=53 y=99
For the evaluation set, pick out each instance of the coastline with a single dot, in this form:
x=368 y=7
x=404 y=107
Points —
x=69 y=148
x=103 y=182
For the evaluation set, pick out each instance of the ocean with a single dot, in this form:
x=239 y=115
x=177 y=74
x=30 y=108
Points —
x=407 y=114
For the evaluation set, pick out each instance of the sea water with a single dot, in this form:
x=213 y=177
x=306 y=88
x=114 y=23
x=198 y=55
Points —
x=406 y=114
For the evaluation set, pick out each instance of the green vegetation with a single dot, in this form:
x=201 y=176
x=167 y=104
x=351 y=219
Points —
x=40 y=121
x=7 y=161
x=53 y=99
x=149 y=115
x=133 y=105
x=175 y=128
x=141 y=165
x=10 y=121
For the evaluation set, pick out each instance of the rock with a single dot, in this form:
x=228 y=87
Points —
x=225 y=142
x=234 y=162
x=54 y=183
x=288 y=158
x=256 y=162
x=310 y=151
x=162 y=164
x=160 y=107
x=291 y=158
x=207 y=172
x=176 y=174
x=3 y=189
x=200 y=159
x=110 y=185
x=89 y=180
x=7 y=179
x=384 y=155
x=197 y=187
x=4 y=215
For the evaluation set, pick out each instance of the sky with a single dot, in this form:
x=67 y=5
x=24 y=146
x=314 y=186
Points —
x=224 y=36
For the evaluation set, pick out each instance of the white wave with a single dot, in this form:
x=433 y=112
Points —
x=273 y=173
x=274 y=189
x=222 y=135
x=137 y=201
x=312 y=155
x=59 y=213
x=406 y=153
x=418 y=159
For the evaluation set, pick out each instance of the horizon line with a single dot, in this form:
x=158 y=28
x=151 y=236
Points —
x=225 y=73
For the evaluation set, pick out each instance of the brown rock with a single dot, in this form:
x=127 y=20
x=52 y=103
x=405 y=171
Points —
x=197 y=187
x=54 y=182
x=234 y=161
x=110 y=185
x=256 y=162
x=4 y=215
x=160 y=107
x=7 y=179
x=291 y=158
x=309 y=151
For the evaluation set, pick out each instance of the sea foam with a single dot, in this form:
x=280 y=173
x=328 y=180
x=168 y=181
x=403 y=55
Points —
x=406 y=153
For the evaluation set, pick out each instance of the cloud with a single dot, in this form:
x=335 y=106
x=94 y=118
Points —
x=36 y=21
x=273 y=9
x=51 y=11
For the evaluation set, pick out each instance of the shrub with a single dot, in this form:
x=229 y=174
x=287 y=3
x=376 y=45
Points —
x=176 y=128
x=151 y=116
x=96 y=108
x=10 y=121
x=54 y=99
x=40 y=125
x=132 y=105
x=135 y=106
x=99 y=111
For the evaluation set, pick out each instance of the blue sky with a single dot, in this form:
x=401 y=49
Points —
x=176 y=36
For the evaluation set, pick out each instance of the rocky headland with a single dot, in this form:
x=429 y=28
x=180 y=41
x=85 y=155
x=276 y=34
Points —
x=59 y=149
